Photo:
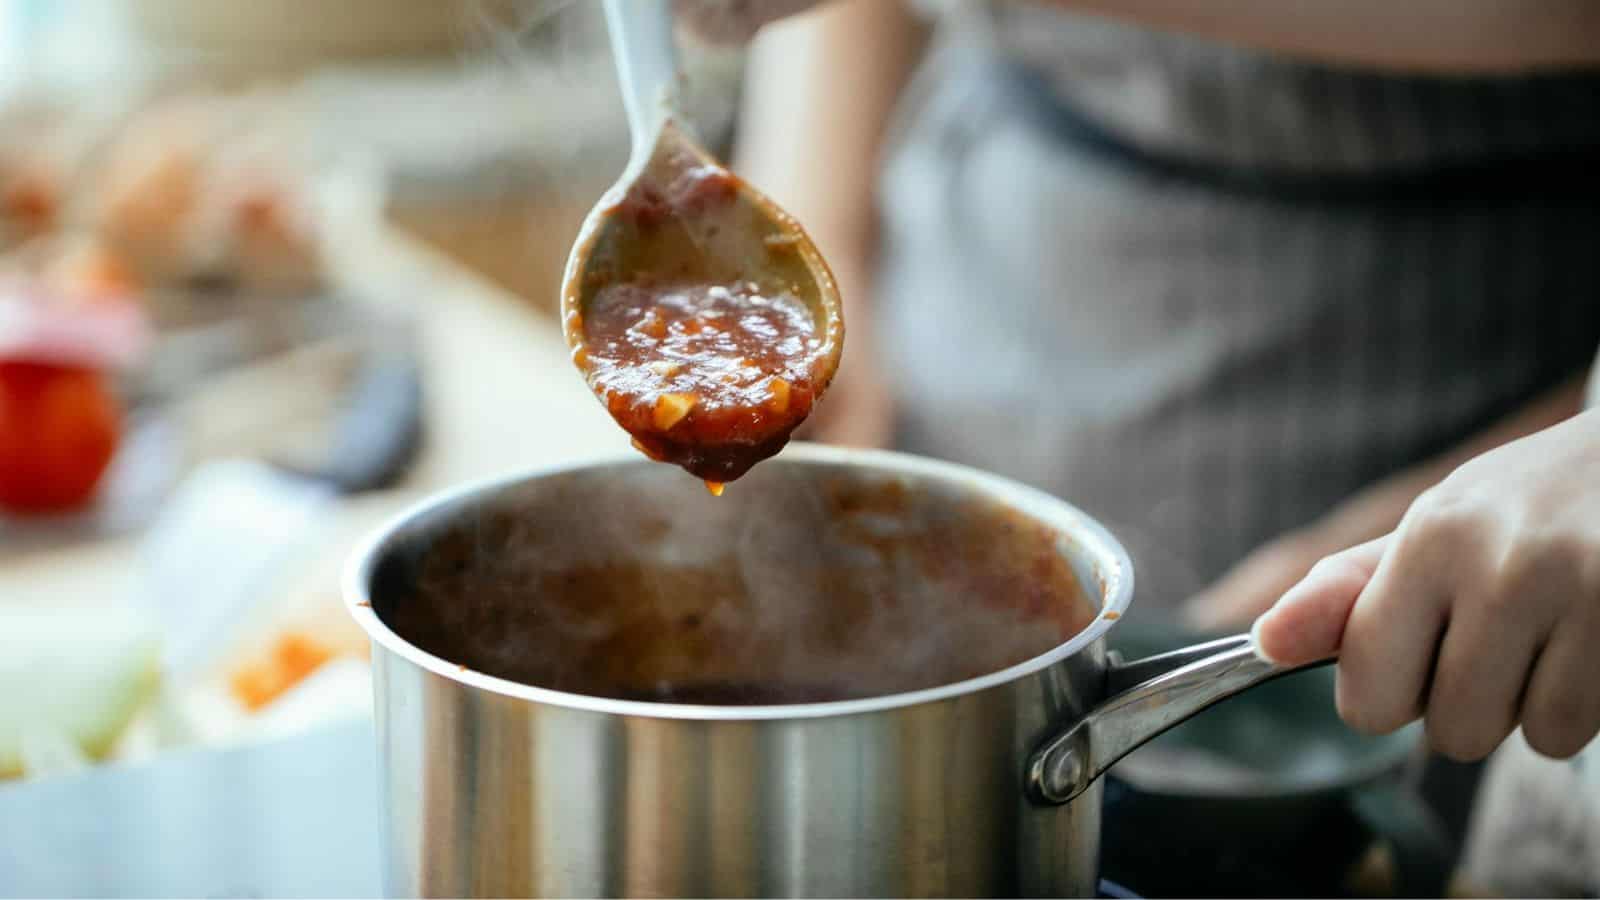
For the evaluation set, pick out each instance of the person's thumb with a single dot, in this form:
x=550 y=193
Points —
x=1307 y=623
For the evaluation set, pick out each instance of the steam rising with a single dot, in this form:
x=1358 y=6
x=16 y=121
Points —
x=554 y=56
x=805 y=583
x=802 y=583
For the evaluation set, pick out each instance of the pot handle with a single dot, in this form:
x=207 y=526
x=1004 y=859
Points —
x=1145 y=698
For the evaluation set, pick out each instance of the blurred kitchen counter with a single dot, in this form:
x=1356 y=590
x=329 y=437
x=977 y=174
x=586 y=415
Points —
x=518 y=241
x=500 y=394
x=484 y=154
x=497 y=123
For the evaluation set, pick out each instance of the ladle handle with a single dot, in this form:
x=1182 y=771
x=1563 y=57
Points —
x=647 y=64
x=1146 y=697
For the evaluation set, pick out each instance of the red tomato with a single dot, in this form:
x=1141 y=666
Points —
x=59 y=427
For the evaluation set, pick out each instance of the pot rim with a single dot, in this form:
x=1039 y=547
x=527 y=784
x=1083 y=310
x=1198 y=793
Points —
x=1096 y=543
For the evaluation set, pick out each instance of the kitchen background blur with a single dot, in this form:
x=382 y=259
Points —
x=271 y=271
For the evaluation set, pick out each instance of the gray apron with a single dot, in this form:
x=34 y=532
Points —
x=1205 y=294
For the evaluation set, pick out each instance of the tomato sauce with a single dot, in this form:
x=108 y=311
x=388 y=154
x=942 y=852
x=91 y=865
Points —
x=799 y=589
x=709 y=366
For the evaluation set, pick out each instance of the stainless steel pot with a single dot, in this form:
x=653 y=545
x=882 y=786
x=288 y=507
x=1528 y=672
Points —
x=979 y=779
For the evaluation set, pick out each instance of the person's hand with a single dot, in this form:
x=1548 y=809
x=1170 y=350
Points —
x=1478 y=613
x=734 y=21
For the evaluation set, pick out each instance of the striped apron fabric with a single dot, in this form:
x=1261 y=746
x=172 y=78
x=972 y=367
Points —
x=1206 y=294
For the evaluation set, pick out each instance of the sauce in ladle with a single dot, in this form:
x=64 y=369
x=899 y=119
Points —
x=701 y=316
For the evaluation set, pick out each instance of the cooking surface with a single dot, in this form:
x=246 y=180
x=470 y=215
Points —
x=297 y=818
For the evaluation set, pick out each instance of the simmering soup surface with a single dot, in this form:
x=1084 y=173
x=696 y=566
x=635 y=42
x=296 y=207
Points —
x=814 y=585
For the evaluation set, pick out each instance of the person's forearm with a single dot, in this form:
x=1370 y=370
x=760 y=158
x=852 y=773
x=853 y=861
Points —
x=1443 y=36
x=1258 y=580
x=819 y=90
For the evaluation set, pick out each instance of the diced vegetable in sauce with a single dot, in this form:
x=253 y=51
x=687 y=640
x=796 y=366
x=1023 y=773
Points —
x=706 y=371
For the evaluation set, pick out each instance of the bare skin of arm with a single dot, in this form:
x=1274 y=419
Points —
x=1438 y=36
x=835 y=74
x=1258 y=580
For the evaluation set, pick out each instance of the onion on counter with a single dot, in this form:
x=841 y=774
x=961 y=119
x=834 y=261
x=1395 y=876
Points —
x=76 y=677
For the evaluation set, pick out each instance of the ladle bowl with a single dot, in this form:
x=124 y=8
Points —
x=701 y=226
